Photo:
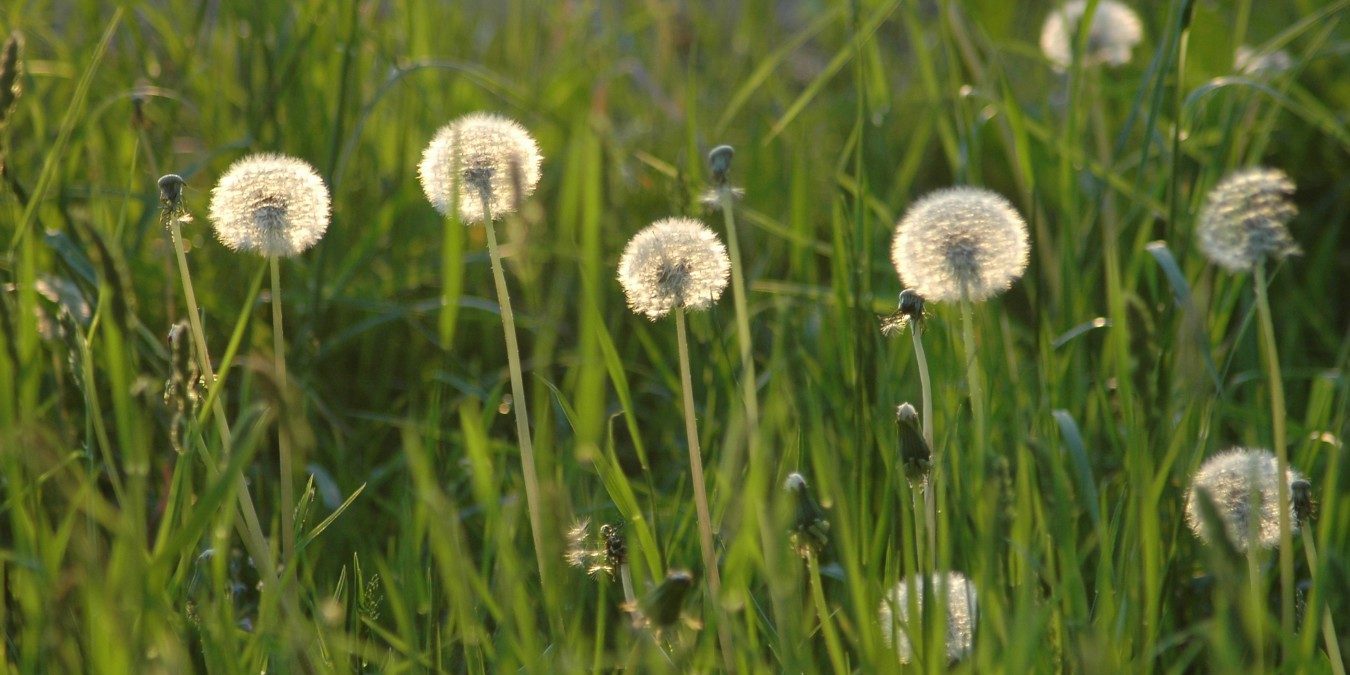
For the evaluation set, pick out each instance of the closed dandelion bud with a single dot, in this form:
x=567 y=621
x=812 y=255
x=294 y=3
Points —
x=1244 y=219
x=170 y=189
x=916 y=458
x=961 y=613
x=1243 y=486
x=810 y=531
x=960 y=241
x=1114 y=33
x=479 y=158
x=665 y=604
x=673 y=263
x=272 y=205
x=719 y=162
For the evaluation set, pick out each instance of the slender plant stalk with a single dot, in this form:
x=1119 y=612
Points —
x=975 y=380
x=250 y=530
x=738 y=297
x=283 y=440
x=517 y=392
x=1277 y=414
x=1257 y=614
x=832 y=646
x=705 y=537
x=1328 y=625
x=926 y=393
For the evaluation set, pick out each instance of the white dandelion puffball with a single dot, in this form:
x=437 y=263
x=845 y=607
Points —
x=479 y=156
x=272 y=205
x=673 y=263
x=1114 y=32
x=1248 y=61
x=962 y=614
x=1243 y=484
x=960 y=239
x=1244 y=219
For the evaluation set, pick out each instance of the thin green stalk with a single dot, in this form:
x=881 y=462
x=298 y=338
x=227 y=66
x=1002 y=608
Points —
x=705 y=537
x=1277 y=414
x=975 y=380
x=283 y=440
x=1328 y=625
x=832 y=646
x=926 y=393
x=738 y=297
x=1257 y=611
x=518 y=395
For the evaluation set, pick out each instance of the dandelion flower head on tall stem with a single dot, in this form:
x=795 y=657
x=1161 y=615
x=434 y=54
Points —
x=1245 y=218
x=673 y=263
x=272 y=205
x=1114 y=32
x=960 y=240
x=962 y=613
x=475 y=155
x=1244 y=487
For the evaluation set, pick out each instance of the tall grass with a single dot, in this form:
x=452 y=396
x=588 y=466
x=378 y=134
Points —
x=1111 y=370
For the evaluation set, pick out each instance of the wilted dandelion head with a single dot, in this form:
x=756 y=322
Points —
x=961 y=613
x=1248 y=61
x=1244 y=219
x=272 y=205
x=673 y=263
x=960 y=239
x=1244 y=487
x=479 y=156
x=1115 y=31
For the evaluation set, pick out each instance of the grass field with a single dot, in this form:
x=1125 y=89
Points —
x=1111 y=370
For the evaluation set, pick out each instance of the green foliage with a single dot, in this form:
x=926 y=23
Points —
x=1111 y=370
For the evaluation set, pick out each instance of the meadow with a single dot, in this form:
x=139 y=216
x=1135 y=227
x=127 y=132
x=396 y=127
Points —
x=348 y=494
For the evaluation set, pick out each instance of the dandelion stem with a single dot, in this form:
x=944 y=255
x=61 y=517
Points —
x=975 y=380
x=283 y=439
x=832 y=645
x=1328 y=625
x=517 y=391
x=1257 y=611
x=926 y=392
x=700 y=492
x=250 y=530
x=1277 y=414
x=738 y=298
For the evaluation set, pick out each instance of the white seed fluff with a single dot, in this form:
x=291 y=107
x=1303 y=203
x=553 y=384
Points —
x=1115 y=31
x=1244 y=219
x=675 y=262
x=477 y=155
x=272 y=205
x=961 y=237
x=962 y=613
x=1244 y=487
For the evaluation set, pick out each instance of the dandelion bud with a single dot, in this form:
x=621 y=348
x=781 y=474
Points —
x=170 y=189
x=915 y=456
x=810 y=530
x=673 y=263
x=1243 y=486
x=960 y=241
x=719 y=162
x=479 y=158
x=272 y=205
x=961 y=613
x=1244 y=219
x=1114 y=32
x=663 y=606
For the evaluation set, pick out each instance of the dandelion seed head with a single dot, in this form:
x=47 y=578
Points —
x=272 y=205
x=1249 y=61
x=477 y=155
x=1244 y=486
x=960 y=238
x=962 y=613
x=1245 y=218
x=673 y=263
x=1115 y=31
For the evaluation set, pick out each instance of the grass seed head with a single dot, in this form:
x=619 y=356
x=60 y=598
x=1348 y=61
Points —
x=476 y=157
x=272 y=205
x=674 y=262
x=962 y=613
x=1243 y=486
x=1245 y=218
x=960 y=240
x=1114 y=32
x=11 y=75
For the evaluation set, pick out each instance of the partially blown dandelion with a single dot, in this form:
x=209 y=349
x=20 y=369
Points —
x=1114 y=32
x=960 y=241
x=961 y=613
x=1245 y=217
x=272 y=205
x=1244 y=486
x=480 y=157
x=673 y=263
